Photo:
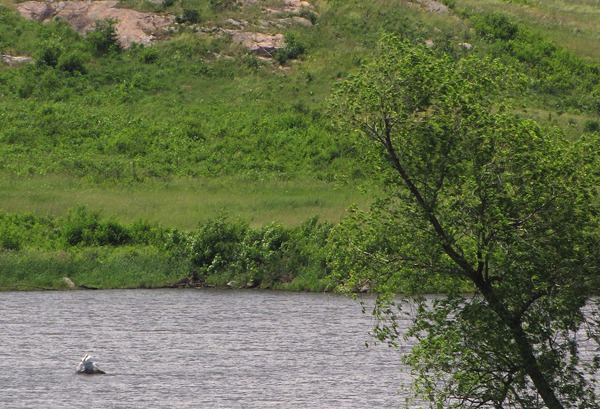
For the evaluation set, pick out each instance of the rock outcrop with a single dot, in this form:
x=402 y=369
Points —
x=431 y=5
x=261 y=37
x=263 y=43
x=132 y=26
x=14 y=59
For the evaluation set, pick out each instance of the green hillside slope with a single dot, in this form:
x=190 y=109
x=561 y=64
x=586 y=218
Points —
x=198 y=105
x=196 y=126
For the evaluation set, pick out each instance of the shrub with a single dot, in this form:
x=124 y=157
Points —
x=83 y=227
x=309 y=15
x=49 y=54
x=292 y=50
x=595 y=104
x=496 y=27
x=10 y=236
x=103 y=38
x=262 y=255
x=591 y=125
x=221 y=5
x=189 y=16
x=111 y=233
x=149 y=55
x=217 y=245
x=144 y=232
x=79 y=226
x=72 y=62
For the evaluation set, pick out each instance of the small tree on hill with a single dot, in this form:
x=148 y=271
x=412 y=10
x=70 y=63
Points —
x=104 y=38
x=478 y=196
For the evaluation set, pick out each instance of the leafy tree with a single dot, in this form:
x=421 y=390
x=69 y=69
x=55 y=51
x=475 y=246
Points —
x=104 y=38
x=486 y=200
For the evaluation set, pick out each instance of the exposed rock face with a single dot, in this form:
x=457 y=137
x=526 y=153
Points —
x=14 y=59
x=432 y=5
x=132 y=26
x=144 y=28
x=290 y=6
x=264 y=44
x=258 y=43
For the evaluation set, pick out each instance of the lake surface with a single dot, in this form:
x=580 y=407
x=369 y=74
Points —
x=193 y=349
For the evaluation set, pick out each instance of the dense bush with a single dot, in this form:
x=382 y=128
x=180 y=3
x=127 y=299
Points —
x=104 y=38
x=189 y=16
x=591 y=125
x=273 y=256
x=149 y=55
x=216 y=246
x=293 y=49
x=18 y=231
x=9 y=236
x=494 y=27
x=83 y=227
x=72 y=62
x=49 y=54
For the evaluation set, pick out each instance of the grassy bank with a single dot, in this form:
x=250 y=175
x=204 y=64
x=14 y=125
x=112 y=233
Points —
x=96 y=251
x=96 y=268
x=102 y=252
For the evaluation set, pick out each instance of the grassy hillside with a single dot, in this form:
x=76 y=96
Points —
x=182 y=132
x=199 y=106
x=572 y=24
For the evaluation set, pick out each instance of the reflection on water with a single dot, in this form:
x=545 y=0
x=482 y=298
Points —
x=193 y=349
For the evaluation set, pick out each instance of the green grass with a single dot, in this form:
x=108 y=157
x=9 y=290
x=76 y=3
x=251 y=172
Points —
x=99 y=267
x=184 y=203
x=570 y=23
x=190 y=136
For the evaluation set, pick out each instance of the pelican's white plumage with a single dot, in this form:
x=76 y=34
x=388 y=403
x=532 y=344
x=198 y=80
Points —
x=87 y=365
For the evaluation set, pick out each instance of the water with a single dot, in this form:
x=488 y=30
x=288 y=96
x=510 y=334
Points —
x=193 y=349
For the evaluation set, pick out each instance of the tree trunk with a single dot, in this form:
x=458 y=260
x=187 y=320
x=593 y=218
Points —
x=525 y=349
x=532 y=368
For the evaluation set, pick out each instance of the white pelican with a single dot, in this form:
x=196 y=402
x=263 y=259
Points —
x=87 y=365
